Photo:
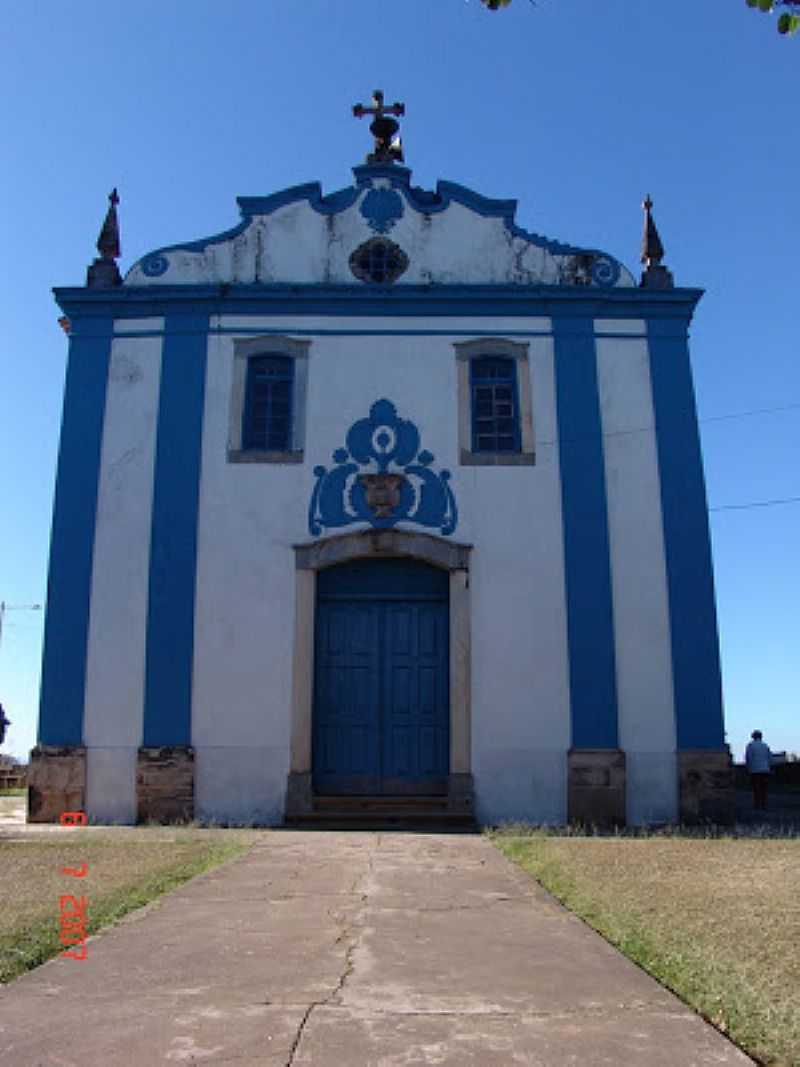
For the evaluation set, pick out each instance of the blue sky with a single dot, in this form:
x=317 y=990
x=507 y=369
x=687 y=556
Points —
x=575 y=108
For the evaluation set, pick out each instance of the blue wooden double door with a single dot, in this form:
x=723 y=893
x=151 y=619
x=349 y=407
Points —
x=381 y=679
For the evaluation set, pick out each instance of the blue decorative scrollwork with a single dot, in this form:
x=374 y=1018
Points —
x=382 y=208
x=605 y=271
x=154 y=266
x=382 y=478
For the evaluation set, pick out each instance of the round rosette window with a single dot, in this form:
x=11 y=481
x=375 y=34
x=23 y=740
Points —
x=378 y=261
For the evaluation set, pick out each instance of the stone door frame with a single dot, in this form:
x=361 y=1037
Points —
x=380 y=544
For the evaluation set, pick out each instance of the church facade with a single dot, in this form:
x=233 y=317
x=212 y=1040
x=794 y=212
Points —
x=378 y=495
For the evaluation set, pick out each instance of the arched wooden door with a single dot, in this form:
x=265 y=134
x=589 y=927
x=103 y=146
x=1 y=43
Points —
x=381 y=719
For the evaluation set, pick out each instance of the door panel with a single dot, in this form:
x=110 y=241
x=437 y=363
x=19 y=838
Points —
x=416 y=706
x=381 y=680
x=346 y=728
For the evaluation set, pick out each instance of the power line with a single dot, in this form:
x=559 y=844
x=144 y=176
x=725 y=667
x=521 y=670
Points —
x=750 y=411
x=757 y=504
x=651 y=429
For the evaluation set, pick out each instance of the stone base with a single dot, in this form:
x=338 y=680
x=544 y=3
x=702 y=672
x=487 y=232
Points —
x=165 y=784
x=705 y=786
x=596 y=787
x=460 y=794
x=56 y=781
x=299 y=794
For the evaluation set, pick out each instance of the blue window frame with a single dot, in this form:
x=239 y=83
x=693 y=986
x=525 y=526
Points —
x=268 y=414
x=495 y=405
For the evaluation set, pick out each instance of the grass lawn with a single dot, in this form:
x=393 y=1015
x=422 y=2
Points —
x=717 y=920
x=126 y=869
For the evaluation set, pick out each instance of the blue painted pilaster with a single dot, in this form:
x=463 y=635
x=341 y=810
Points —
x=66 y=631
x=173 y=543
x=590 y=622
x=690 y=581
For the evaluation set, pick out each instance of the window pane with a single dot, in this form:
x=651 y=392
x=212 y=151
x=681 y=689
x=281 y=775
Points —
x=495 y=415
x=267 y=422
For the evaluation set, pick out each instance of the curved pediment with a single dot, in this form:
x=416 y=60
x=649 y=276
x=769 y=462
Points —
x=382 y=231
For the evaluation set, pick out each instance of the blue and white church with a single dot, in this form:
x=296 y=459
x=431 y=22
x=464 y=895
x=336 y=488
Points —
x=378 y=503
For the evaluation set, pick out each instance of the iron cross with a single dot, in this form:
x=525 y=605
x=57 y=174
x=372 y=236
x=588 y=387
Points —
x=383 y=128
x=378 y=109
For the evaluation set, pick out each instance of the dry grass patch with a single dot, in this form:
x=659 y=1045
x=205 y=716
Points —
x=126 y=869
x=715 y=919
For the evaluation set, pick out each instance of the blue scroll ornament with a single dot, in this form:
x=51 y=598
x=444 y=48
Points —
x=382 y=208
x=155 y=265
x=605 y=271
x=390 y=444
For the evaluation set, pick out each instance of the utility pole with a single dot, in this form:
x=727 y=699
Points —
x=14 y=607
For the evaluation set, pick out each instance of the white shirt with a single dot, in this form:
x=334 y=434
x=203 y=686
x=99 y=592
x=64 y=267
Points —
x=758 y=757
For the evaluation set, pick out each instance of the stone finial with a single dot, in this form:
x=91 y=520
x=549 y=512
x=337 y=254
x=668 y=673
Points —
x=654 y=275
x=388 y=147
x=104 y=272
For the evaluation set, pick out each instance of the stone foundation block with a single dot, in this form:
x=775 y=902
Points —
x=165 y=784
x=705 y=786
x=56 y=781
x=596 y=787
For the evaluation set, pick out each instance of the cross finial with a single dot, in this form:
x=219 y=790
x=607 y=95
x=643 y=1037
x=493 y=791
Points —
x=654 y=275
x=388 y=148
x=104 y=272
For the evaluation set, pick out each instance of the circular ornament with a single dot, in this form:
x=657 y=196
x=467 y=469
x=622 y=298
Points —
x=154 y=266
x=605 y=271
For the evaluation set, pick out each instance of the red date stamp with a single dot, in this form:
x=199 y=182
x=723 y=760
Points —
x=73 y=910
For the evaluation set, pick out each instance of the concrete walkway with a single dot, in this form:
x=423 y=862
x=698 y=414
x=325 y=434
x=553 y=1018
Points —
x=349 y=950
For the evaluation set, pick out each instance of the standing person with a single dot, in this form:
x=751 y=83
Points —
x=4 y=724
x=758 y=759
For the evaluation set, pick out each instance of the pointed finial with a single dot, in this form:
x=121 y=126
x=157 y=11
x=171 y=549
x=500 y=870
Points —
x=654 y=275
x=108 y=241
x=104 y=272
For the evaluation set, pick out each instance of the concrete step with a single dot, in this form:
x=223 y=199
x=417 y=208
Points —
x=383 y=813
x=381 y=803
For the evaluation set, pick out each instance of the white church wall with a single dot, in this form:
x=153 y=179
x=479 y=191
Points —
x=521 y=716
x=118 y=615
x=243 y=619
x=252 y=514
x=638 y=574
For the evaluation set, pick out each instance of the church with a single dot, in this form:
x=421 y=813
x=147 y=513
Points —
x=379 y=504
